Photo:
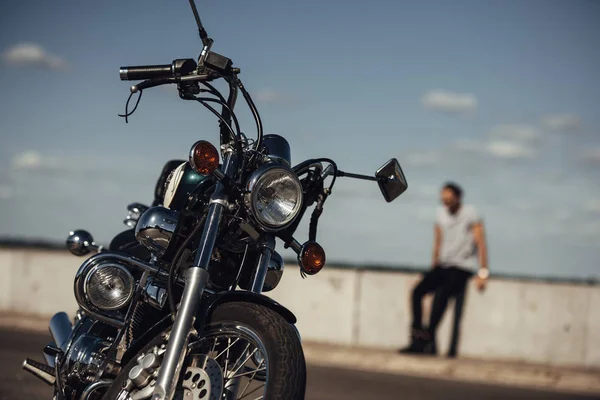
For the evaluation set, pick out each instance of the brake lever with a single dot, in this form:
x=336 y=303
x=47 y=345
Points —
x=164 y=81
x=151 y=83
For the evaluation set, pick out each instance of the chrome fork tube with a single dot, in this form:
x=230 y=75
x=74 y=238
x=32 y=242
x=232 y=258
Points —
x=196 y=278
x=267 y=246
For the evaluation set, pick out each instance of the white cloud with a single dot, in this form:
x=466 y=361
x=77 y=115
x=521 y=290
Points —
x=69 y=165
x=270 y=96
x=519 y=133
x=444 y=101
x=562 y=122
x=32 y=160
x=6 y=192
x=28 y=159
x=30 y=54
x=508 y=149
x=498 y=148
x=592 y=206
x=468 y=145
x=591 y=156
x=422 y=158
x=562 y=215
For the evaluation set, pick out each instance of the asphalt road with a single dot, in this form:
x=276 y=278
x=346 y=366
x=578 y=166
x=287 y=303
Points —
x=323 y=383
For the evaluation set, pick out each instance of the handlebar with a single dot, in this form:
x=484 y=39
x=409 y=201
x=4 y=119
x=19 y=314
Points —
x=177 y=68
x=137 y=73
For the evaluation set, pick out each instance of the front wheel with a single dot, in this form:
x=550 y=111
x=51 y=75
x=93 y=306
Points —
x=246 y=352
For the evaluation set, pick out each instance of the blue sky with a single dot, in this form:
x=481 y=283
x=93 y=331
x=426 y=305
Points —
x=502 y=97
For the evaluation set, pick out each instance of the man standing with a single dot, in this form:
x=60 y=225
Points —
x=459 y=241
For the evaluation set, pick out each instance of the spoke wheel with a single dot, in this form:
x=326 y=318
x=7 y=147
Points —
x=240 y=355
x=247 y=351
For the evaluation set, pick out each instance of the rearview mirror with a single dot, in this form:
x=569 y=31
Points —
x=391 y=180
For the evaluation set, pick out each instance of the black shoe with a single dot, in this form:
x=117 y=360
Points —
x=451 y=354
x=414 y=348
x=430 y=348
x=419 y=339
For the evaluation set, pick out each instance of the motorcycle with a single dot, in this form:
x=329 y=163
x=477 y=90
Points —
x=175 y=306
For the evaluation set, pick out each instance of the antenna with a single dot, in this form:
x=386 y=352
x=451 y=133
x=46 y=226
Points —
x=201 y=31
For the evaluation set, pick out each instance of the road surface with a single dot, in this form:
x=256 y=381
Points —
x=323 y=383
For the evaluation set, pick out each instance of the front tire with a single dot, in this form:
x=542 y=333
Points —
x=284 y=375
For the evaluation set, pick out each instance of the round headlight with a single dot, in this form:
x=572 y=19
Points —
x=274 y=196
x=109 y=287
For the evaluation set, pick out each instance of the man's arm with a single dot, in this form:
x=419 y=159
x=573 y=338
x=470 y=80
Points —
x=479 y=236
x=437 y=242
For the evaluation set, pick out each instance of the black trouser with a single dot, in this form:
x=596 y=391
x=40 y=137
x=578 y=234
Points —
x=445 y=282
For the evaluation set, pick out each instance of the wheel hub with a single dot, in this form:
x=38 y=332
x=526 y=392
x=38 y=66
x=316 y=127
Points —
x=203 y=382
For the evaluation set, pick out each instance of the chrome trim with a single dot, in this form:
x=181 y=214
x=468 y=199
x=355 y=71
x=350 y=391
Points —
x=79 y=325
x=262 y=265
x=250 y=195
x=296 y=246
x=80 y=243
x=112 y=319
x=60 y=329
x=235 y=328
x=95 y=269
x=329 y=171
x=134 y=212
x=195 y=283
x=196 y=280
x=155 y=295
x=94 y=386
x=222 y=202
x=50 y=360
x=274 y=272
x=277 y=149
x=79 y=316
x=85 y=359
x=155 y=228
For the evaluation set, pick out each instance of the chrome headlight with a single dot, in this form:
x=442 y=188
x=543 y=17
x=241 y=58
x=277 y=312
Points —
x=109 y=286
x=155 y=229
x=274 y=196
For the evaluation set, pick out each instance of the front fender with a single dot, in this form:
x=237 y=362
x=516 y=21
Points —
x=204 y=316
x=210 y=304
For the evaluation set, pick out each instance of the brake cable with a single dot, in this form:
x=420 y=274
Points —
x=127 y=113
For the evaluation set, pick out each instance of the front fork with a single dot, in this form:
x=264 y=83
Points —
x=196 y=279
x=266 y=245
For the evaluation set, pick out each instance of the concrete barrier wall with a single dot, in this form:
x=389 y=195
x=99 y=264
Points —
x=513 y=320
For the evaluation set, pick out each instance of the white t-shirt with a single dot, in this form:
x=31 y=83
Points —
x=458 y=246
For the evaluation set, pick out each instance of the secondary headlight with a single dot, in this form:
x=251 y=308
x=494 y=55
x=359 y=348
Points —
x=274 y=196
x=109 y=287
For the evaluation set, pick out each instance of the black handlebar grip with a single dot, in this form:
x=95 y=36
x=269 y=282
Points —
x=142 y=72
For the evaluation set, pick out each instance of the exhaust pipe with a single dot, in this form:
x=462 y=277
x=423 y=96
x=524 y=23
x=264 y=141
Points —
x=40 y=370
x=60 y=329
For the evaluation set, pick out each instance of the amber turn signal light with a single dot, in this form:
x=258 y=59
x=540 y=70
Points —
x=204 y=157
x=311 y=258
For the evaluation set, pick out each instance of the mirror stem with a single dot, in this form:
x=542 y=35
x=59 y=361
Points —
x=201 y=30
x=356 y=176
